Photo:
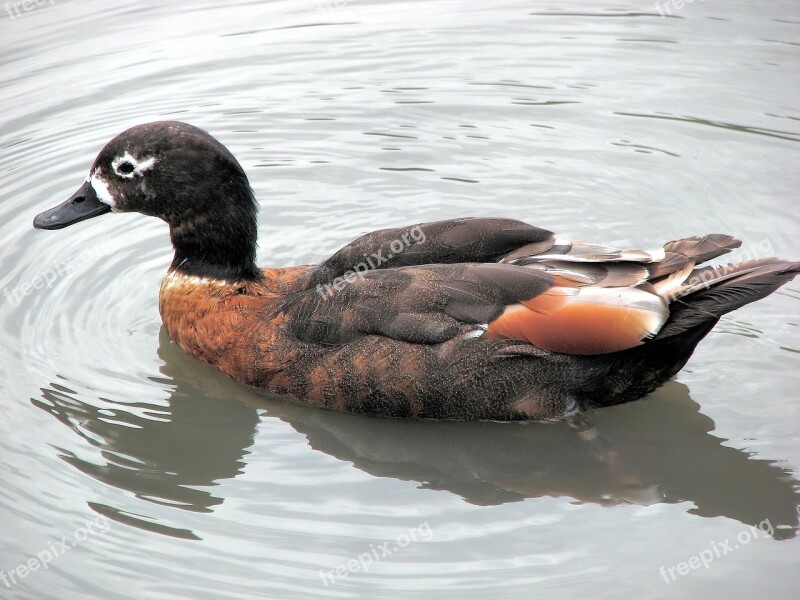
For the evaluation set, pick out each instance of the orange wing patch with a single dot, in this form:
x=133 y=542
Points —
x=592 y=321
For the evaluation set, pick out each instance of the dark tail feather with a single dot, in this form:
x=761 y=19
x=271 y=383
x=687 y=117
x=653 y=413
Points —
x=703 y=248
x=711 y=292
x=678 y=253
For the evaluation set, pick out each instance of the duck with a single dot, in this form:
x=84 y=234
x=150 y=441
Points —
x=458 y=319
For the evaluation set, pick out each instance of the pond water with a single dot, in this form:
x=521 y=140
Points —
x=133 y=471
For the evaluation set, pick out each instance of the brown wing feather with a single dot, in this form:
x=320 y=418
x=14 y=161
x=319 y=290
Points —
x=592 y=321
x=428 y=304
x=438 y=242
x=626 y=304
x=558 y=295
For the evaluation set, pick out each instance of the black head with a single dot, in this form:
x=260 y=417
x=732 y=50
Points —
x=181 y=174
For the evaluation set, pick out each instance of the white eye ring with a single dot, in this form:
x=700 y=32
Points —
x=128 y=167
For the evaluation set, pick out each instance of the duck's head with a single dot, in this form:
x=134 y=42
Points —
x=181 y=174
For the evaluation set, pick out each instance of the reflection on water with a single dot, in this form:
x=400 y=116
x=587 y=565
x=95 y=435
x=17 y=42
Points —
x=603 y=122
x=655 y=451
x=658 y=450
x=172 y=456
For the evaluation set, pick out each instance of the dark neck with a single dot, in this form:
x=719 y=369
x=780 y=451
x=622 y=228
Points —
x=220 y=243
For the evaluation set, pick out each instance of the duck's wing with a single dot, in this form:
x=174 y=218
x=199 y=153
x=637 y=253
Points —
x=480 y=240
x=569 y=297
x=431 y=304
x=611 y=264
x=439 y=242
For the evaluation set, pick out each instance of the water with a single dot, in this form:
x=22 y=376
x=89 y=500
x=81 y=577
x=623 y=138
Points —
x=606 y=123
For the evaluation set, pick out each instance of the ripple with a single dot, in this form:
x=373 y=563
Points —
x=338 y=118
x=604 y=14
x=784 y=135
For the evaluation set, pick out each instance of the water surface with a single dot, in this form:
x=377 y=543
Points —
x=608 y=123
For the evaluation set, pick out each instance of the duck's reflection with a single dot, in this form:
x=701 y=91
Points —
x=172 y=455
x=658 y=450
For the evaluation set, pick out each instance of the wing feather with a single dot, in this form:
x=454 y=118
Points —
x=499 y=279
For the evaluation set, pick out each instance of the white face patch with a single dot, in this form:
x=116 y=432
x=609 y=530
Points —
x=128 y=166
x=100 y=187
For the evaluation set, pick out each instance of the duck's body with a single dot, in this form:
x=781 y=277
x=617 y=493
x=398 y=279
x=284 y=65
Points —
x=459 y=319
x=244 y=335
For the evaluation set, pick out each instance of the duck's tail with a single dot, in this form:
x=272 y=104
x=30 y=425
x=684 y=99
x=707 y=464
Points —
x=703 y=295
x=696 y=305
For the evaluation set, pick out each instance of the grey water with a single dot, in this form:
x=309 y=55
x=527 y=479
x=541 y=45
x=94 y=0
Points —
x=130 y=470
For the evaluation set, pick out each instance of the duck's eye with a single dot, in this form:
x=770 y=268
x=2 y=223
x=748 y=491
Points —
x=128 y=166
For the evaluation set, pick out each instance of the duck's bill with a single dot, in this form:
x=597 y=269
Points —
x=82 y=205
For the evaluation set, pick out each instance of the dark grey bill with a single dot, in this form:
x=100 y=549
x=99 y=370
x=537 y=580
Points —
x=82 y=205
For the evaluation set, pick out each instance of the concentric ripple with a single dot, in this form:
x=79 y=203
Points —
x=608 y=124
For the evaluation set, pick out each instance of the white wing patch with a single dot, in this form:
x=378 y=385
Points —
x=652 y=308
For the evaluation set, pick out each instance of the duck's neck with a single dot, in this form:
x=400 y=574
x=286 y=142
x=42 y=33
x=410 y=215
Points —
x=218 y=243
